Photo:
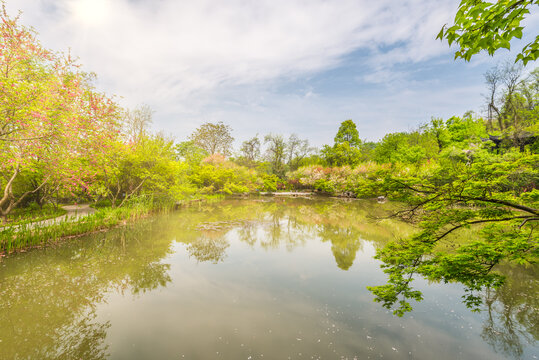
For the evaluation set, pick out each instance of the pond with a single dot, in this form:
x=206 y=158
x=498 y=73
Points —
x=248 y=279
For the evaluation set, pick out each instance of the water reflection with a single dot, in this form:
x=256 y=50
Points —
x=345 y=242
x=61 y=302
x=513 y=317
x=288 y=223
x=48 y=297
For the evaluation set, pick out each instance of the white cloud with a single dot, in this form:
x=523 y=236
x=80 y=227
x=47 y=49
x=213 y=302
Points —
x=204 y=60
x=161 y=51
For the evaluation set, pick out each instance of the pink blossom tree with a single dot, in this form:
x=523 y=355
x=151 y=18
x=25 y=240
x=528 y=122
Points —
x=51 y=118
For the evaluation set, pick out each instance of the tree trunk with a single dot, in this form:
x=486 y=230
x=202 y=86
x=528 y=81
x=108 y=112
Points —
x=8 y=202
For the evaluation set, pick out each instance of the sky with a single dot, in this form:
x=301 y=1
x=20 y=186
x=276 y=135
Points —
x=271 y=66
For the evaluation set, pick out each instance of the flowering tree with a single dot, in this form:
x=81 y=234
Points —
x=51 y=118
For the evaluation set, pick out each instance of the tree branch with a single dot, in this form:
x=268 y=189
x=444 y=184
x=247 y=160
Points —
x=134 y=191
x=26 y=194
x=503 y=202
x=479 y=222
x=528 y=219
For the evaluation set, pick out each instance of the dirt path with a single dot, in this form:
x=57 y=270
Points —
x=73 y=212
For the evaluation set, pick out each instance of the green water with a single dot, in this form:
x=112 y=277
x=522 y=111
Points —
x=272 y=279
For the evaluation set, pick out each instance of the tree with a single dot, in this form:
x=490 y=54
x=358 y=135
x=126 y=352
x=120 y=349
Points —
x=345 y=150
x=438 y=130
x=411 y=148
x=495 y=196
x=137 y=122
x=52 y=119
x=347 y=133
x=149 y=167
x=189 y=152
x=296 y=150
x=493 y=79
x=250 y=150
x=484 y=25
x=528 y=94
x=341 y=154
x=512 y=104
x=276 y=153
x=511 y=78
x=213 y=138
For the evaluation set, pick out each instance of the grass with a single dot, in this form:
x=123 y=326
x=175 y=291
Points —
x=33 y=213
x=27 y=235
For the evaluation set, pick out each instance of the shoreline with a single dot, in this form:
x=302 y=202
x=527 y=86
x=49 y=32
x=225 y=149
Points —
x=23 y=238
x=55 y=231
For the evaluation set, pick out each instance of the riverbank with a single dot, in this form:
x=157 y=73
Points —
x=83 y=220
x=32 y=214
x=64 y=213
x=300 y=265
x=80 y=220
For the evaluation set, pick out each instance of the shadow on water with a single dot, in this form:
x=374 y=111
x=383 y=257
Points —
x=49 y=297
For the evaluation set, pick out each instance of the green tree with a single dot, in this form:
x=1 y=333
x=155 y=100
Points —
x=341 y=154
x=148 y=167
x=495 y=196
x=346 y=147
x=438 y=130
x=347 y=133
x=250 y=150
x=52 y=118
x=485 y=25
x=397 y=147
x=219 y=175
x=190 y=153
x=276 y=153
x=213 y=138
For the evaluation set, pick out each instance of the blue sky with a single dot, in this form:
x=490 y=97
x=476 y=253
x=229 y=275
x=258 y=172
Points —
x=279 y=66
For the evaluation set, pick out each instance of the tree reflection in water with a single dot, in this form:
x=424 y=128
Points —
x=48 y=298
x=285 y=222
x=512 y=311
x=209 y=246
x=345 y=242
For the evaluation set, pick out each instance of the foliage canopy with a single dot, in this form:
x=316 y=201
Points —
x=213 y=138
x=485 y=25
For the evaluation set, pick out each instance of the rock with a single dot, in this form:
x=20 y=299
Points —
x=348 y=194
